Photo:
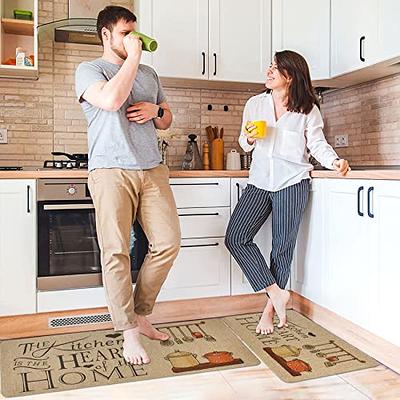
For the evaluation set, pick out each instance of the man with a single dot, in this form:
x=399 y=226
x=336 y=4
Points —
x=123 y=102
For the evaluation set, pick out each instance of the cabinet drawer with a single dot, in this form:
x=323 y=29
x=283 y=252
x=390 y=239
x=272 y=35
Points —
x=203 y=222
x=202 y=269
x=201 y=192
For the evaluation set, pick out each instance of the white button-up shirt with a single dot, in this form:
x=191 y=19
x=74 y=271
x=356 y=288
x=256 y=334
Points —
x=281 y=159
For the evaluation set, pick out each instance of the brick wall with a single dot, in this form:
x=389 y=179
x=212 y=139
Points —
x=370 y=114
x=43 y=116
x=46 y=117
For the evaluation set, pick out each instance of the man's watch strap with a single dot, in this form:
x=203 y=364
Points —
x=160 y=112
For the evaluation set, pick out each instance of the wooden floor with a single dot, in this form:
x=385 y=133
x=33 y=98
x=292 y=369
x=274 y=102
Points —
x=245 y=384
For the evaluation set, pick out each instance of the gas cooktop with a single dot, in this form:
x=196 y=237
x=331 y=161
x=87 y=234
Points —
x=65 y=164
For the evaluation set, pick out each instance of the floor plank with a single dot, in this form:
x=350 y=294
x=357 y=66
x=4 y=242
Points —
x=260 y=383
x=377 y=383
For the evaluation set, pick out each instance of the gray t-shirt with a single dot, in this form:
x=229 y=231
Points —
x=113 y=140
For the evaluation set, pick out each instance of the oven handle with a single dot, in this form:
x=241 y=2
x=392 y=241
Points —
x=68 y=207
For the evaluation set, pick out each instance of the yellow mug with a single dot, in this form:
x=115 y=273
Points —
x=257 y=127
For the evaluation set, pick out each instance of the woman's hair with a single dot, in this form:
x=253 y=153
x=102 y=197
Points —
x=109 y=17
x=301 y=95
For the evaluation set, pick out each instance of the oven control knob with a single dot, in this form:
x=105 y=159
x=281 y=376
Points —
x=71 y=190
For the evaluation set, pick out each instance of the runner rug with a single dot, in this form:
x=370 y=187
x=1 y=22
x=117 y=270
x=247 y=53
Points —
x=70 y=361
x=302 y=350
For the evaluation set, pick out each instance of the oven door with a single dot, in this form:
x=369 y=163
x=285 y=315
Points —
x=68 y=250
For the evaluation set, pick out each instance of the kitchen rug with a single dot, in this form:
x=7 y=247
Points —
x=70 y=361
x=302 y=350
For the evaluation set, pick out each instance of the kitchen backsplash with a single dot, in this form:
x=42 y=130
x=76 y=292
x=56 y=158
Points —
x=370 y=114
x=44 y=115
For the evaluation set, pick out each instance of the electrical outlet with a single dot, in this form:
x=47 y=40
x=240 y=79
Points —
x=3 y=136
x=342 y=140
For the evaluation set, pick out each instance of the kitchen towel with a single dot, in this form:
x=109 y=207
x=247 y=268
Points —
x=70 y=361
x=302 y=350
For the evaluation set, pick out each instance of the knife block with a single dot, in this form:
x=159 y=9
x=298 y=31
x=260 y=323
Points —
x=217 y=154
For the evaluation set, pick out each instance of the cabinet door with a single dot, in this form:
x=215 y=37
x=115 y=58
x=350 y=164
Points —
x=385 y=256
x=304 y=27
x=240 y=40
x=18 y=247
x=388 y=29
x=311 y=265
x=353 y=35
x=263 y=239
x=200 y=270
x=181 y=29
x=348 y=282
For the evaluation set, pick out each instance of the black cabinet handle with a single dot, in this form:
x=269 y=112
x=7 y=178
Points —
x=28 y=199
x=215 y=64
x=198 y=215
x=369 y=202
x=359 y=212
x=200 y=245
x=362 y=58
x=238 y=191
x=204 y=62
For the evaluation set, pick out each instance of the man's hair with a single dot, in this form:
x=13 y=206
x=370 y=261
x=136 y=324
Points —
x=109 y=17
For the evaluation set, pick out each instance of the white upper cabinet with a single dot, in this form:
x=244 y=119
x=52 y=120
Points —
x=353 y=35
x=240 y=40
x=303 y=26
x=388 y=29
x=181 y=30
x=208 y=39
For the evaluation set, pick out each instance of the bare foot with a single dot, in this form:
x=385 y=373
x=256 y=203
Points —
x=279 y=298
x=266 y=325
x=134 y=352
x=147 y=329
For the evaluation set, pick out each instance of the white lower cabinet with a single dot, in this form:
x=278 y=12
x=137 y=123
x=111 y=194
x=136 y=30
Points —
x=349 y=272
x=348 y=252
x=385 y=259
x=239 y=283
x=18 y=239
x=307 y=275
x=200 y=270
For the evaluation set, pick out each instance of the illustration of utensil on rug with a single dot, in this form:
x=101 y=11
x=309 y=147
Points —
x=176 y=339
x=332 y=352
x=185 y=337
x=184 y=361
x=207 y=337
x=295 y=366
x=196 y=335
x=167 y=342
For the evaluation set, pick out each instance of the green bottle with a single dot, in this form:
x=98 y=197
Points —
x=149 y=44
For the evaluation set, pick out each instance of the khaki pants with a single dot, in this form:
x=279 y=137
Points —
x=120 y=196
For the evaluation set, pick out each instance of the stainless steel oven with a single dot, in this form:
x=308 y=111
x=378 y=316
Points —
x=68 y=251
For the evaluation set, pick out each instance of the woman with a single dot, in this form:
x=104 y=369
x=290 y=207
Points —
x=279 y=179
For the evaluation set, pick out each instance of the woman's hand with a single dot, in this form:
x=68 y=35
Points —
x=142 y=112
x=341 y=166
x=250 y=130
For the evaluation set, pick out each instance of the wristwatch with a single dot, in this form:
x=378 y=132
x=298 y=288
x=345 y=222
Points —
x=160 y=112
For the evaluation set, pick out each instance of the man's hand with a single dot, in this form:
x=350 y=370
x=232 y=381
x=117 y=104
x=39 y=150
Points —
x=341 y=166
x=133 y=45
x=142 y=112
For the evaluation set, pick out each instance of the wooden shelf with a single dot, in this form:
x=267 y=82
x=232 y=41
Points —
x=17 y=26
x=12 y=71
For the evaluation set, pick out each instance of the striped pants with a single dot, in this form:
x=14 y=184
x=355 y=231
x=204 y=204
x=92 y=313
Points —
x=254 y=207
